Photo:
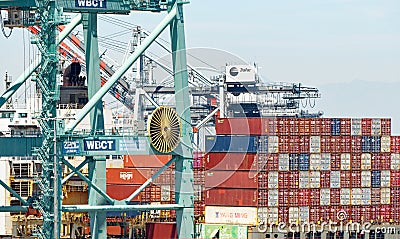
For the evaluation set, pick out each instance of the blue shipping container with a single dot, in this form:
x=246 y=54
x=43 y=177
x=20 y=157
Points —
x=376 y=179
x=231 y=143
x=366 y=144
x=293 y=162
x=375 y=144
x=263 y=144
x=335 y=126
x=304 y=162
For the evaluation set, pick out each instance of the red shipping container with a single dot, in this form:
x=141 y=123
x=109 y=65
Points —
x=161 y=230
x=121 y=192
x=293 y=179
x=356 y=144
x=283 y=214
x=314 y=197
x=325 y=213
x=293 y=198
x=395 y=144
x=346 y=216
x=272 y=162
x=335 y=196
x=284 y=144
x=283 y=126
x=376 y=161
x=326 y=126
x=127 y=175
x=262 y=197
x=356 y=179
x=230 y=161
x=326 y=144
x=395 y=196
x=238 y=126
x=294 y=144
x=146 y=161
x=288 y=179
x=304 y=127
x=335 y=161
x=335 y=146
x=356 y=161
x=294 y=127
x=231 y=197
x=386 y=213
x=345 y=179
x=395 y=178
x=314 y=214
x=304 y=197
x=375 y=196
x=315 y=126
x=396 y=213
x=283 y=197
x=231 y=179
x=366 y=213
x=345 y=126
x=304 y=144
x=366 y=126
x=115 y=231
x=385 y=159
x=269 y=126
x=375 y=212
x=356 y=213
x=325 y=180
x=345 y=144
x=386 y=127
x=262 y=180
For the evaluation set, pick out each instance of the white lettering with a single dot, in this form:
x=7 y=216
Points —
x=88 y=3
x=81 y=3
x=125 y=175
x=91 y=3
x=101 y=3
x=90 y=144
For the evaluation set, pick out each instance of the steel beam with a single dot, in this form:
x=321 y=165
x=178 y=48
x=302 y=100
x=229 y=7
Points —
x=13 y=208
x=184 y=195
x=14 y=193
x=121 y=71
x=34 y=66
x=80 y=166
x=119 y=208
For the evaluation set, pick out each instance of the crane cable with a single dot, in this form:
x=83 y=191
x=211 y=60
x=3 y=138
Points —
x=2 y=27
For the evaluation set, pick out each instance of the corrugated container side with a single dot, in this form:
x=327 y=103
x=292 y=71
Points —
x=146 y=161
x=356 y=161
x=272 y=162
x=304 y=197
x=161 y=230
x=315 y=197
x=375 y=178
x=335 y=179
x=127 y=175
x=273 y=198
x=395 y=144
x=121 y=192
x=365 y=179
x=366 y=126
x=366 y=161
x=345 y=126
x=304 y=179
x=283 y=162
x=315 y=161
x=231 y=161
x=315 y=126
x=375 y=196
x=385 y=195
x=315 y=177
x=355 y=179
x=293 y=162
x=366 y=196
x=325 y=161
x=386 y=127
x=345 y=179
x=273 y=180
x=345 y=161
x=325 y=179
x=356 y=127
x=376 y=127
x=293 y=214
x=335 y=126
x=238 y=126
x=345 y=196
x=325 y=197
x=385 y=144
x=335 y=161
x=326 y=126
x=269 y=126
x=335 y=196
x=304 y=213
x=356 y=144
x=231 y=179
x=231 y=197
x=395 y=178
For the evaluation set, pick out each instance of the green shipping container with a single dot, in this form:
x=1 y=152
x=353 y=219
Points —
x=209 y=231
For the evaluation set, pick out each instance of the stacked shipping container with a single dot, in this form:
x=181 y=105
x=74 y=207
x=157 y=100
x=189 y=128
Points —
x=309 y=169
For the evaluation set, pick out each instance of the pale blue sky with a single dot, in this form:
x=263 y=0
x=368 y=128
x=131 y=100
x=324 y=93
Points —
x=321 y=43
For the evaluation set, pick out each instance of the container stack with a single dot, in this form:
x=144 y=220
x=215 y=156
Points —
x=309 y=170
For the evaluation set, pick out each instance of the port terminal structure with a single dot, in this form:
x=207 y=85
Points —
x=59 y=139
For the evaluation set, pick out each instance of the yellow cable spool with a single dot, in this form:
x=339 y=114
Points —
x=164 y=127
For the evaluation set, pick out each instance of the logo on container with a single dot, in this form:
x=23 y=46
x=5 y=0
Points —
x=125 y=176
x=341 y=215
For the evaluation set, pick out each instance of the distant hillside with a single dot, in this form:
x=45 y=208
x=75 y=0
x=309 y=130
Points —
x=362 y=99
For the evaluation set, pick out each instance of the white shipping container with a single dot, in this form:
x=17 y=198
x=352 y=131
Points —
x=366 y=196
x=273 y=179
x=365 y=179
x=385 y=195
x=166 y=192
x=335 y=179
x=273 y=198
x=283 y=162
x=356 y=127
x=366 y=161
x=385 y=144
x=315 y=162
x=345 y=161
x=395 y=161
x=268 y=215
x=345 y=196
x=315 y=144
x=231 y=215
x=273 y=144
x=315 y=179
x=304 y=179
x=385 y=178
x=356 y=196
x=376 y=127
x=325 y=197
x=114 y=163
x=326 y=161
x=304 y=214
x=294 y=215
x=273 y=215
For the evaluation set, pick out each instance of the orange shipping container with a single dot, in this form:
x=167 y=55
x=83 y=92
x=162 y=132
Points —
x=146 y=161
x=127 y=175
